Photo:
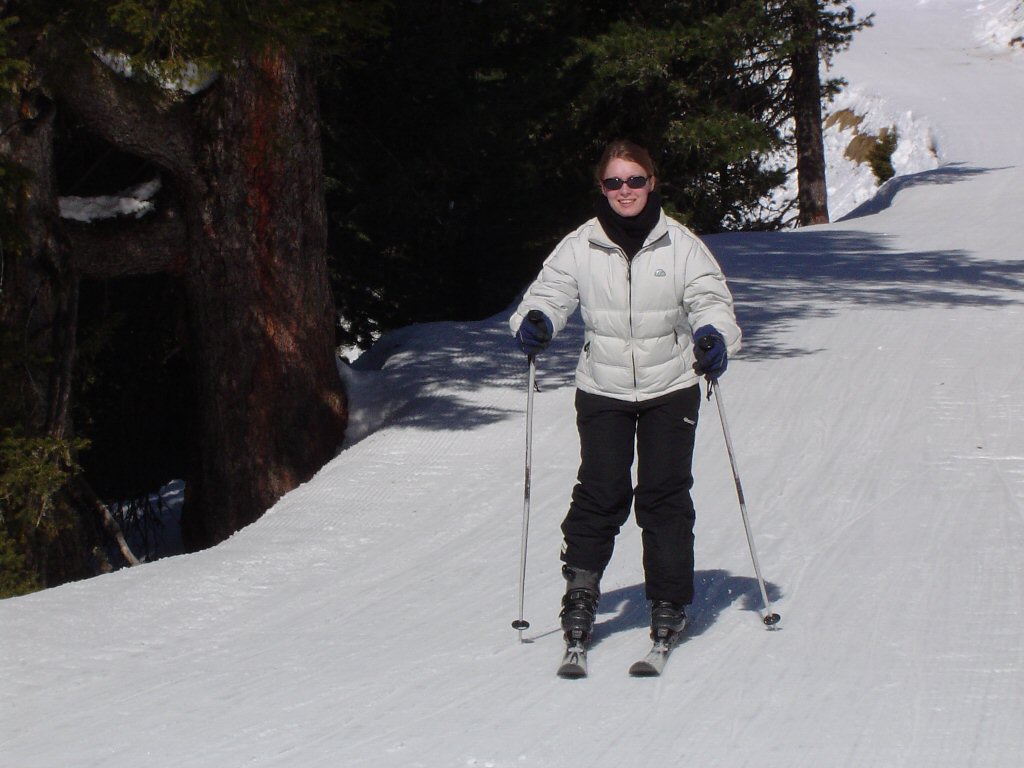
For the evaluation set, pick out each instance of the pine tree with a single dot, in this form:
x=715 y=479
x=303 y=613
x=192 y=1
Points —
x=240 y=227
x=685 y=78
x=813 y=31
x=508 y=107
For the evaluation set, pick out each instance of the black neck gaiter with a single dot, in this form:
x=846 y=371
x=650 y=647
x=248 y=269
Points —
x=629 y=232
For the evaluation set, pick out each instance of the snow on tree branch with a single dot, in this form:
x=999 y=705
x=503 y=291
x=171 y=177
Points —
x=135 y=201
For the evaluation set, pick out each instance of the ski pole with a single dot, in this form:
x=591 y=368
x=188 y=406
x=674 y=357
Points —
x=770 y=619
x=520 y=624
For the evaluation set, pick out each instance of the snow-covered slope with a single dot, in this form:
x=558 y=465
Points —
x=878 y=416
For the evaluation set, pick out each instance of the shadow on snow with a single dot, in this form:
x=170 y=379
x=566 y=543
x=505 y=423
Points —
x=715 y=592
x=777 y=279
x=883 y=198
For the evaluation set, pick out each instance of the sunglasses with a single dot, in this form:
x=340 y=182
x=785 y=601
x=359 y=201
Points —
x=633 y=182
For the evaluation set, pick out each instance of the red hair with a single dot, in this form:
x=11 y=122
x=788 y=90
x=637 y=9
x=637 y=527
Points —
x=624 y=149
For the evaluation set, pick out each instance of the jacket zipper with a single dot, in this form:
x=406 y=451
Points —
x=629 y=286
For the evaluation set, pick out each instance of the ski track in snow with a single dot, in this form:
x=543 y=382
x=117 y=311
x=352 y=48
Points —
x=878 y=416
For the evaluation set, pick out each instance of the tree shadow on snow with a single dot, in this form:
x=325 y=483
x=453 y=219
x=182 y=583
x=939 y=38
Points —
x=778 y=278
x=627 y=609
x=425 y=376
x=883 y=198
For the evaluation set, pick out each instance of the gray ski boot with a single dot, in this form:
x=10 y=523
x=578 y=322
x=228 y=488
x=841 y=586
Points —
x=579 y=605
x=579 y=608
x=667 y=620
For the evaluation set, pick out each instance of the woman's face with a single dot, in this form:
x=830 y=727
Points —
x=625 y=200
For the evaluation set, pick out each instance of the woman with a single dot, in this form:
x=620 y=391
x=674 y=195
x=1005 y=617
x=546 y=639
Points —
x=657 y=316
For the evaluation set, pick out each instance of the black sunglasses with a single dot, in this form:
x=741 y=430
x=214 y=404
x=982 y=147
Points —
x=633 y=182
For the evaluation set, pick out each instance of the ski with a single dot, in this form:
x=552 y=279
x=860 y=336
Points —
x=574 y=662
x=654 y=662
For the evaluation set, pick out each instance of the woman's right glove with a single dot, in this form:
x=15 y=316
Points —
x=535 y=332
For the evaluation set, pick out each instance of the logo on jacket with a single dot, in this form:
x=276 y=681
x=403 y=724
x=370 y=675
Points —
x=659 y=273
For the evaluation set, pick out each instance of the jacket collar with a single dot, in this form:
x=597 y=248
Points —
x=600 y=238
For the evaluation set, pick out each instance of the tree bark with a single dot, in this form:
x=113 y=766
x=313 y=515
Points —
x=272 y=407
x=156 y=244
x=35 y=280
x=38 y=314
x=805 y=84
x=140 y=119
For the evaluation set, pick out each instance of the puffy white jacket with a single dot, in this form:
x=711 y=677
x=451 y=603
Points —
x=639 y=315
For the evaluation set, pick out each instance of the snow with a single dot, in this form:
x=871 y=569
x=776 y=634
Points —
x=135 y=201
x=190 y=78
x=1001 y=24
x=877 y=412
x=851 y=184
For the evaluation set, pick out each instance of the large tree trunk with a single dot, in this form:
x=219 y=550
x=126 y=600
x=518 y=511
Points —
x=243 y=160
x=272 y=408
x=812 y=194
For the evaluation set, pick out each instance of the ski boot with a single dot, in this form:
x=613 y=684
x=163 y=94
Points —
x=667 y=621
x=579 y=605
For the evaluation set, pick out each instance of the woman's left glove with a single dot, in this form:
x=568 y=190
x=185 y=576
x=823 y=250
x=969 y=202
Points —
x=535 y=332
x=710 y=352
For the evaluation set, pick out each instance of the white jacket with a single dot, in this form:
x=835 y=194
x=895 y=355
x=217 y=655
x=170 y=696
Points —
x=639 y=315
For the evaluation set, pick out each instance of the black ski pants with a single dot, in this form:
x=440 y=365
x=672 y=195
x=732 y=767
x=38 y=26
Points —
x=663 y=431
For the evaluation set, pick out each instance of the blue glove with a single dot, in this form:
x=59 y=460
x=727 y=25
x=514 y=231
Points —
x=710 y=352
x=535 y=333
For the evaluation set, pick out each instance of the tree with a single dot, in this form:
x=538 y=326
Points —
x=241 y=224
x=816 y=30
x=464 y=150
x=475 y=127
x=684 y=78
x=805 y=86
